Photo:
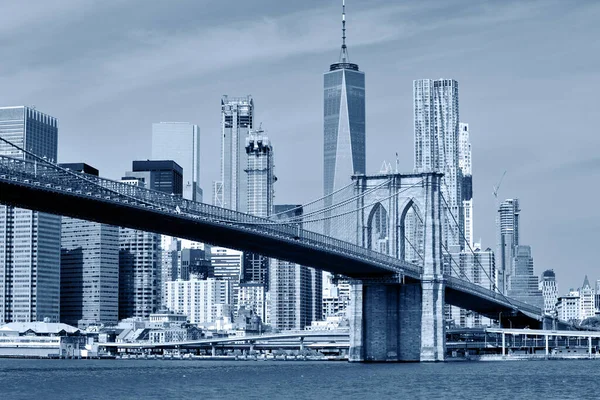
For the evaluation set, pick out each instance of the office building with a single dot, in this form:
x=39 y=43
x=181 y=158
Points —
x=436 y=134
x=227 y=266
x=89 y=270
x=139 y=265
x=260 y=191
x=465 y=165
x=344 y=126
x=523 y=284
x=295 y=290
x=29 y=240
x=161 y=175
x=507 y=222
x=180 y=142
x=254 y=296
x=237 y=119
x=549 y=291
x=199 y=299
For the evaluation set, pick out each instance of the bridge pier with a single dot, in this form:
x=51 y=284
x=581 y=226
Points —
x=392 y=322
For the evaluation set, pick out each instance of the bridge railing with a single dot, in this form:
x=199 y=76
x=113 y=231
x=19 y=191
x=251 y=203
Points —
x=466 y=286
x=53 y=177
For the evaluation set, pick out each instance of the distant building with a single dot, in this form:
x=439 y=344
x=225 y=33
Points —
x=507 y=222
x=465 y=165
x=89 y=268
x=29 y=240
x=477 y=267
x=227 y=265
x=197 y=298
x=237 y=119
x=587 y=300
x=523 y=284
x=254 y=296
x=436 y=134
x=549 y=291
x=139 y=273
x=295 y=290
x=161 y=175
x=180 y=142
x=568 y=308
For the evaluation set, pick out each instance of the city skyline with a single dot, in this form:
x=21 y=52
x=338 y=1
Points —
x=507 y=142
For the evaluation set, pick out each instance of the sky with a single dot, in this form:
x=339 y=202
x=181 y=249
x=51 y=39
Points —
x=527 y=70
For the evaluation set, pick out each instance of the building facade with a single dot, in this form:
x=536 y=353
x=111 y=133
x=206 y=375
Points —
x=197 y=298
x=465 y=165
x=89 y=268
x=161 y=175
x=139 y=273
x=237 y=119
x=549 y=291
x=180 y=142
x=436 y=137
x=507 y=225
x=29 y=240
x=260 y=191
x=523 y=284
x=295 y=290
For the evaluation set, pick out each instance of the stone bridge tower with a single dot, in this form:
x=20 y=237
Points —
x=396 y=318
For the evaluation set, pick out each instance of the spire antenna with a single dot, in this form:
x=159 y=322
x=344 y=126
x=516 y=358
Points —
x=344 y=53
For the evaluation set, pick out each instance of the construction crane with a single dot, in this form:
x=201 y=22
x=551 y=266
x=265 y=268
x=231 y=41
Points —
x=497 y=187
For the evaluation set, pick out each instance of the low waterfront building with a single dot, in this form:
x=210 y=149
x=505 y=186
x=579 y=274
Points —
x=41 y=340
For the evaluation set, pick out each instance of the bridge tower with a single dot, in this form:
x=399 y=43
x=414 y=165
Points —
x=395 y=318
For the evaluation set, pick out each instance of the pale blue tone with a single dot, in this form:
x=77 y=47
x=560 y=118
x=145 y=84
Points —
x=527 y=70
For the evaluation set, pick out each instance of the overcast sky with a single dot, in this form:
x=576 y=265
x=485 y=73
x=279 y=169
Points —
x=528 y=72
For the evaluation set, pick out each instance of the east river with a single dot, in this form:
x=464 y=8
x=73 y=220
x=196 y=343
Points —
x=157 y=379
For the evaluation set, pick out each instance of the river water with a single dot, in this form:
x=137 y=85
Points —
x=158 y=379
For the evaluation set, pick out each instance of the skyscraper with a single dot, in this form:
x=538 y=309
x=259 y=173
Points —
x=89 y=270
x=507 y=222
x=29 y=240
x=260 y=192
x=344 y=123
x=523 y=284
x=436 y=125
x=465 y=165
x=180 y=142
x=296 y=290
x=237 y=118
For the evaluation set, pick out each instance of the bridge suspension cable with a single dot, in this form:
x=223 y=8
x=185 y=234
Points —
x=447 y=208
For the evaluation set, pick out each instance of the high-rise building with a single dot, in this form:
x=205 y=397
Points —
x=89 y=270
x=139 y=263
x=254 y=296
x=161 y=175
x=295 y=290
x=344 y=126
x=227 y=265
x=237 y=119
x=507 y=222
x=465 y=165
x=436 y=128
x=523 y=284
x=260 y=191
x=197 y=298
x=29 y=240
x=568 y=307
x=180 y=142
x=549 y=291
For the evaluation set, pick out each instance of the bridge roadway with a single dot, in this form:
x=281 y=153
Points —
x=43 y=186
x=322 y=335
